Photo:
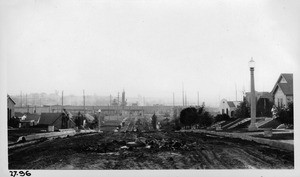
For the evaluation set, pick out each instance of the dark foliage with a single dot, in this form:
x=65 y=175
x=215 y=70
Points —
x=221 y=117
x=177 y=125
x=191 y=116
x=286 y=114
x=14 y=122
x=171 y=125
x=188 y=116
x=206 y=119
x=263 y=108
x=242 y=111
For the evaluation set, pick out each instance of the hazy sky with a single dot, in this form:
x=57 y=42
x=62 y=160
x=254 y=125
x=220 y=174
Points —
x=149 y=48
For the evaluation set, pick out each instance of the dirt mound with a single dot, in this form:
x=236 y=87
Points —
x=153 y=150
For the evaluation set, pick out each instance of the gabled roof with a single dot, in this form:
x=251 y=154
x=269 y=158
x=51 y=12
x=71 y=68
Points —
x=287 y=88
x=19 y=114
x=237 y=103
x=231 y=104
x=265 y=95
x=288 y=77
x=34 y=117
x=8 y=97
x=49 y=118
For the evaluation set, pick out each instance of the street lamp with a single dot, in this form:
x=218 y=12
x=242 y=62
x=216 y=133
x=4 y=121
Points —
x=253 y=125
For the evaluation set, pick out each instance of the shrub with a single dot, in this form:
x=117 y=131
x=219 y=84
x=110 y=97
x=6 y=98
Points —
x=286 y=115
x=191 y=116
x=177 y=124
x=14 y=122
x=188 y=116
x=206 y=119
x=263 y=108
x=171 y=125
x=221 y=117
x=242 y=111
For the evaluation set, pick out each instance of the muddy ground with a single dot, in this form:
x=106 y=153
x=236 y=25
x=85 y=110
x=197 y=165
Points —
x=149 y=150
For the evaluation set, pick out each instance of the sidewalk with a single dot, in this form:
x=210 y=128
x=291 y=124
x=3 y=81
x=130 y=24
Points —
x=282 y=144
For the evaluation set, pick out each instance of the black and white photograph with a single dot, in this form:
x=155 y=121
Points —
x=149 y=87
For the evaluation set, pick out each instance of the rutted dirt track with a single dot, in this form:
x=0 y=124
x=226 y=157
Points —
x=153 y=150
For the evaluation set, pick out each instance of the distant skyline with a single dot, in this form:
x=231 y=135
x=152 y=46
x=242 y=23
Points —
x=149 y=48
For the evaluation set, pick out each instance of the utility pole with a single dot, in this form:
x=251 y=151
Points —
x=235 y=93
x=182 y=94
x=34 y=98
x=62 y=101
x=110 y=99
x=83 y=102
x=173 y=100
x=21 y=99
x=185 y=100
x=118 y=98
x=109 y=106
x=27 y=104
x=198 y=98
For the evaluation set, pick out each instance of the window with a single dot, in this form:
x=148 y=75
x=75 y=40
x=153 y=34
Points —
x=283 y=80
x=279 y=102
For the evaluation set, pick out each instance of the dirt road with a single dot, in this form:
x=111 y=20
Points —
x=152 y=150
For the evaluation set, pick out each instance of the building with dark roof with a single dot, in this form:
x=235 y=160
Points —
x=31 y=119
x=283 y=90
x=228 y=107
x=10 y=107
x=58 y=120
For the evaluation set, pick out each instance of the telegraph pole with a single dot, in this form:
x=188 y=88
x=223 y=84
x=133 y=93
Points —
x=109 y=106
x=198 y=98
x=173 y=99
x=235 y=93
x=62 y=100
x=185 y=100
x=27 y=104
x=118 y=98
x=182 y=94
x=83 y=102
x=21 y=99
